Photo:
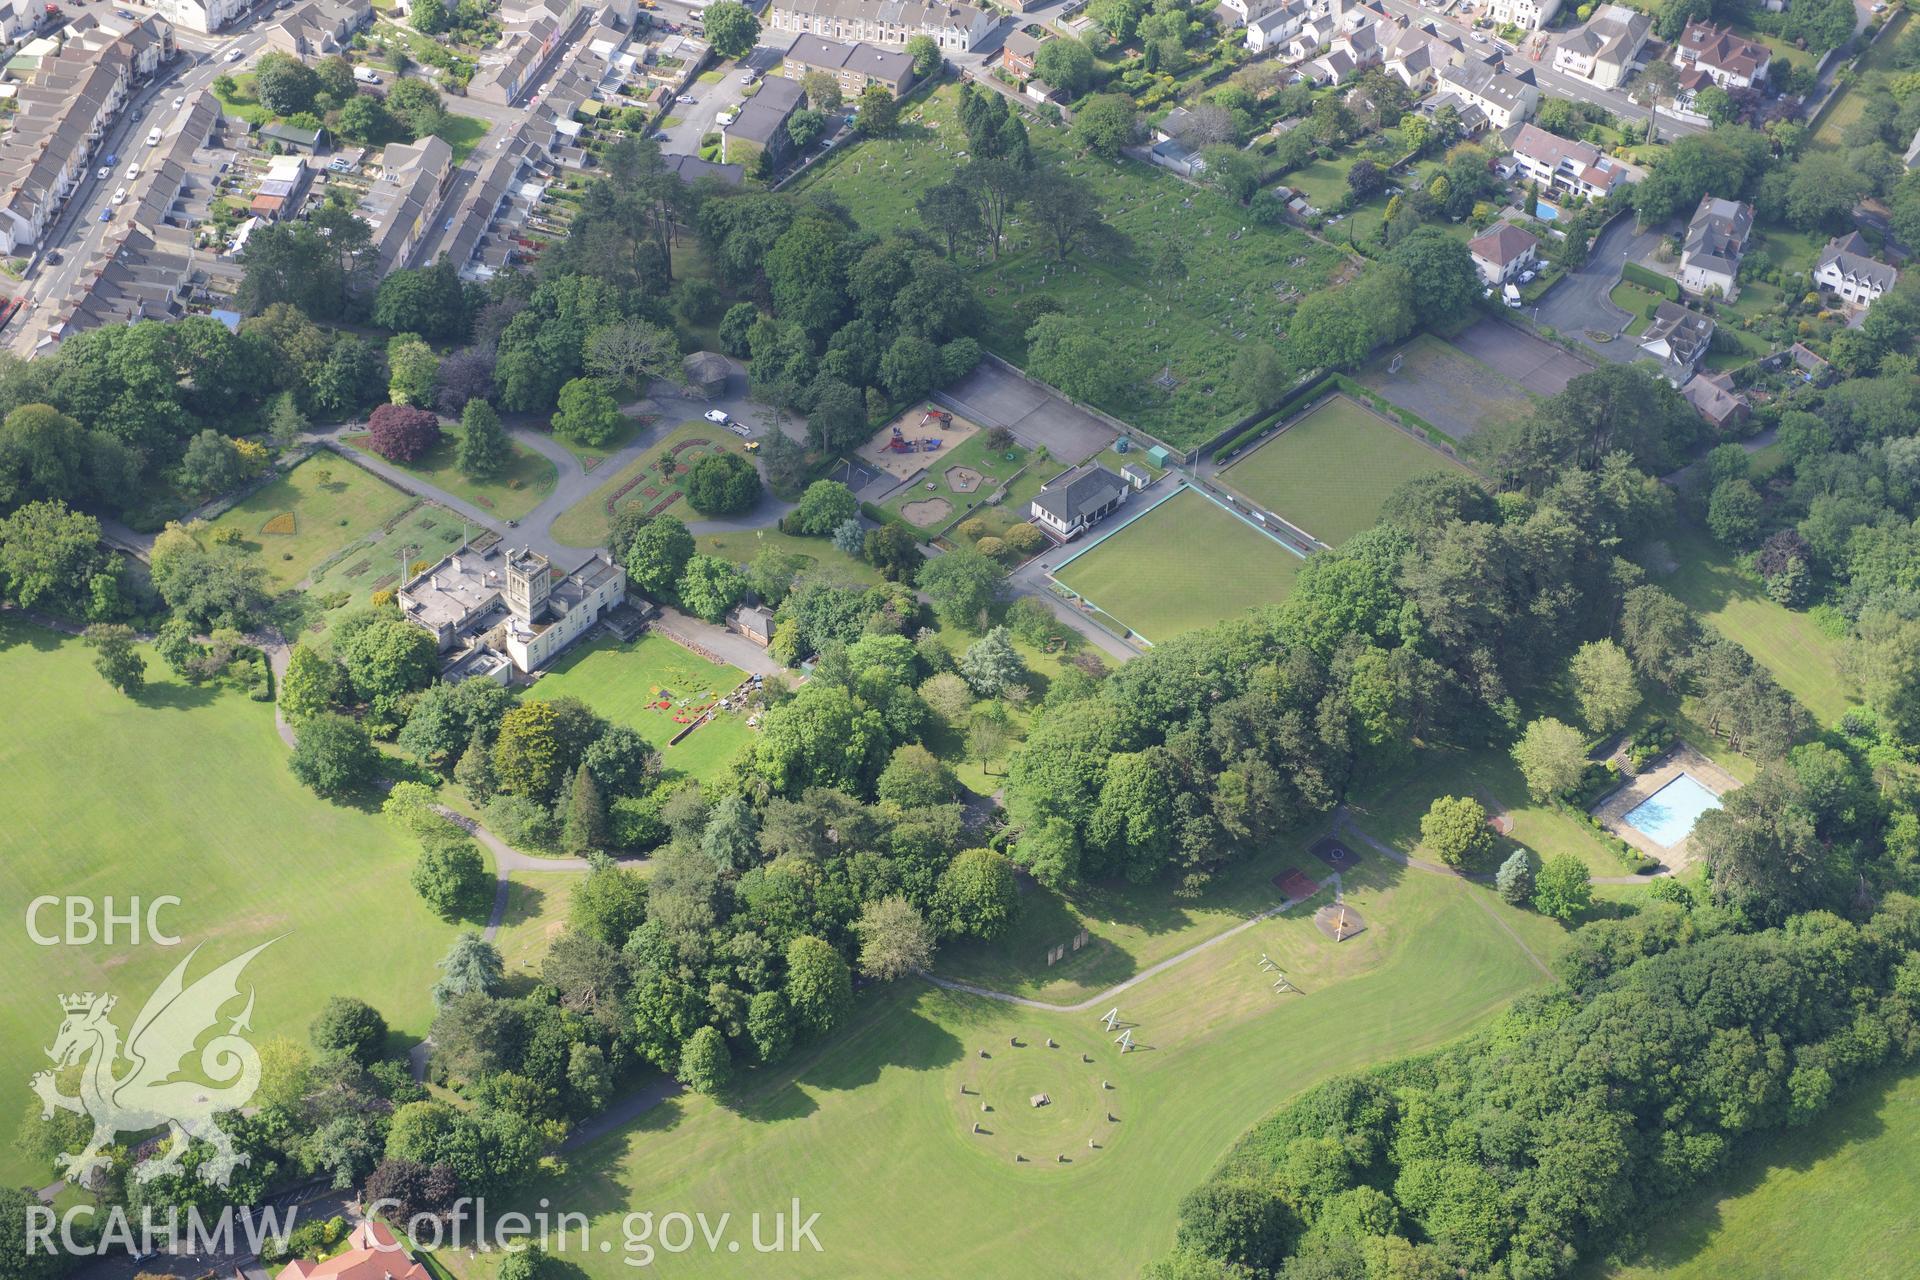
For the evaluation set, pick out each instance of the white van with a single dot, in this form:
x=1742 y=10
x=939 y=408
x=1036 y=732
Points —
x=1512 y=294
x=365 y=75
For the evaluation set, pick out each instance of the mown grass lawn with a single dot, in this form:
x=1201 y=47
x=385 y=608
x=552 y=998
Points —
x=528 y=477
x=186 y=792
x=1828 y=1200
x=463 y=134
x=536 y=914
x=623 y=682
x=1804 y=659
x=870 y=1128
x=1186 y=564
x=331 y=503
x=1333 y=470
x=822 y=559
x=244 y=101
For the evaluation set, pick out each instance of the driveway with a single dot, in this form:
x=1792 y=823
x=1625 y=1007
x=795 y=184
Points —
x=1579 y=302
x=696 y=121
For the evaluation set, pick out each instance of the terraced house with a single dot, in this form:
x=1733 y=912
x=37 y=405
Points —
x=71 y=98
x=954 y=27
x=855 y=66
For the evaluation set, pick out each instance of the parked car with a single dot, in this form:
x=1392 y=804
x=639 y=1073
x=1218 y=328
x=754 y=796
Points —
x=717 y=416
x=749 y=76
x=54 y=258
x=102 y=173
x=726 y=118
x=686 y=99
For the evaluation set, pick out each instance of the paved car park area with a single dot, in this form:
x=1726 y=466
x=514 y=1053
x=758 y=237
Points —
x=1534 y=363
x=994 y=396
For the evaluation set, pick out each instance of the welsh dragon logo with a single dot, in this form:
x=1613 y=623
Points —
x=146 y=1095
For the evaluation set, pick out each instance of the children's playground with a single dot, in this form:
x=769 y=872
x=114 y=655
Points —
x=916 y=441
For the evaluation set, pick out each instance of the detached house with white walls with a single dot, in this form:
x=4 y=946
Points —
x=1848 y=268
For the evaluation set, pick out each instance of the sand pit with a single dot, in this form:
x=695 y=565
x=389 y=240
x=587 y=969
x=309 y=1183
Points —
x=927 y=512
x=1338 y=921
x=917 y=426
x=963 y=479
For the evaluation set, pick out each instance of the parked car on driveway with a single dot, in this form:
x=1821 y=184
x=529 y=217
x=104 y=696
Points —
x=717 y=416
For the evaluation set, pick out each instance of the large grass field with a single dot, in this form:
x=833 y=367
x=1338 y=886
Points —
x=329 y=503
x=186 y=792
x=619 y=681
x=1237 y=284
x=1332 y=470
x=871 y=1131
x=1187 y=563
x=653 y=482
x=1821 y=1201
x=527 y=479
x=1799 y=655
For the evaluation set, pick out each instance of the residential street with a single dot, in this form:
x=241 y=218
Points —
x=78 y=234
x=1549 y=80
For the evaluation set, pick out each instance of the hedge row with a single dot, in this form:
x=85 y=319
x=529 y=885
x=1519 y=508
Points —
x=1405 y=417
x=1300 y=397
x=1666 y=286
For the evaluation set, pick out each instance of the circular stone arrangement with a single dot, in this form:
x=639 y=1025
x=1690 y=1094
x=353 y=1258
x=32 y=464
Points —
x=998 y=1093
x=963 y=479
x=926 y=511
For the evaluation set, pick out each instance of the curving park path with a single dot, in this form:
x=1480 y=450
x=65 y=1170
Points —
x=1344 y=825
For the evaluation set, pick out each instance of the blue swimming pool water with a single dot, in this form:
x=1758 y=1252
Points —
x=1667 y=816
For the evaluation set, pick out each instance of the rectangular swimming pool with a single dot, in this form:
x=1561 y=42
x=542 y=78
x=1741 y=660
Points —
x=1667 y=816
